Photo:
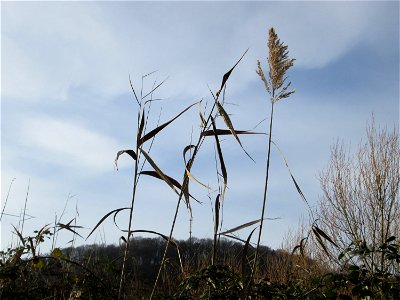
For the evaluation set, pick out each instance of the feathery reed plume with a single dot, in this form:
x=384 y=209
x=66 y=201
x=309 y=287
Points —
x=279 y=63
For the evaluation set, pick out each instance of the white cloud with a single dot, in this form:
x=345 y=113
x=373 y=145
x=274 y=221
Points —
x=66 y=144
x=49 y=48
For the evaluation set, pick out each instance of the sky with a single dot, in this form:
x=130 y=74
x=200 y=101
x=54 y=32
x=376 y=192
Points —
x=67 y=107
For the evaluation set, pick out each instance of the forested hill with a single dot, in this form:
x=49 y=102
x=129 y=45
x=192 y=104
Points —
x=146 y=253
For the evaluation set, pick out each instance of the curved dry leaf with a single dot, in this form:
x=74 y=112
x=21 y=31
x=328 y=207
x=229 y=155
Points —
x=161 y=127
x=158 y=170
x=241 y=227
x=229 y=124
x=130 y=152
x=173 y=181
x=227 y=74
x=156 y=175
x=41 y=231
x=186 y=191
x=105 y=217
x=19 y=235
x=319 y=240
x=123 y=239
x=195 y=179
x=300 y=246
x=185 y=176
x=291 y=175
x=244 y=255
x=234 y=238
x=186 y=149
x=227 y=121
x=324 y=235
x=156 y=233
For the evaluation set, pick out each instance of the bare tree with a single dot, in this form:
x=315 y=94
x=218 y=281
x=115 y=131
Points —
x=360 y=201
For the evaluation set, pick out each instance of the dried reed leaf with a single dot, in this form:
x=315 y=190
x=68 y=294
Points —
x=41 y=231
x=190 y=175
x=227 y=132
x=227 y=74
x=220 y=156
x=130 y=152
x=173 y=181
x=244 y=255
x=216 y=225
x=202 y=119
x=300 y=247
x=245 y=225
x=216 y=212
x=158 y=170
x=156 y=233
x=227 y=121
x=123 y=239
x=185 y=183
x=156 y=175
x=229 y=124
x=234 y=238
x=141 y=127
x=69 y=227
x=319 y=240
x=186 y=149
x=291 y=175
x=324 y=235
x=105 y=217
x=186 y=193
x=19 y=234
x=161 y=127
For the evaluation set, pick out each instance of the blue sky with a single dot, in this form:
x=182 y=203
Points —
x=67 y=106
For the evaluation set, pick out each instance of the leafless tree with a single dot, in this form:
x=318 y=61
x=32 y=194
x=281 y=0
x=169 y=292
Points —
x=360 y=200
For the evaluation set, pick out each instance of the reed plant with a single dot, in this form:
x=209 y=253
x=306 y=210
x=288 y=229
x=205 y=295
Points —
x=279 y=63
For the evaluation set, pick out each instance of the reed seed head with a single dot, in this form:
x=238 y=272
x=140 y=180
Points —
x=278 y=62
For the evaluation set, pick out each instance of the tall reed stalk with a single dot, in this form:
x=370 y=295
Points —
x=279 y=63
x=126 y=250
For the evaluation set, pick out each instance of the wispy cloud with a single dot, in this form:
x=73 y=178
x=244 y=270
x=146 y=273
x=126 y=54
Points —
x=69 y=44
x=65 y=144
